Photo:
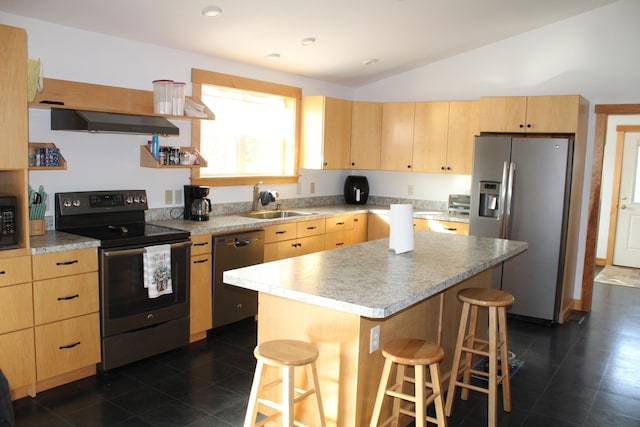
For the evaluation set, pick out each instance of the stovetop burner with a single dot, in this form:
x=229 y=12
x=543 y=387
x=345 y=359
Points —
x=116 y=218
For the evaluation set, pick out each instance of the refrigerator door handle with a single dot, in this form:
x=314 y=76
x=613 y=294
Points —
x=503 y=198
x=507 y=227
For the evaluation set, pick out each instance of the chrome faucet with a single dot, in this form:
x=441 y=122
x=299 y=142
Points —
x=256 y=196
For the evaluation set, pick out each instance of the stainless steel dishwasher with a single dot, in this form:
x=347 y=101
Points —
x=231 y=303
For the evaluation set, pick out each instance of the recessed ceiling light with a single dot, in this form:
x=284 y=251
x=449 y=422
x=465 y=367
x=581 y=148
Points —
x=272 y=56
x=370 y=61
x=211 y=11
x=307 y=41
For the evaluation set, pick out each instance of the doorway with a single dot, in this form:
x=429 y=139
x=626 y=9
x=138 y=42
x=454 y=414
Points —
x=625 y=218
x=603 y=111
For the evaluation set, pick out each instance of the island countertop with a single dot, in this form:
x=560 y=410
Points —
x=369 y=280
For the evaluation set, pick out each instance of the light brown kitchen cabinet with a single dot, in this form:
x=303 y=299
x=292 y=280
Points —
x=17 y=350
x=448 y=227
x=293 y=239
x=326 y=133
x=430 y=130
x=366 y=134
x=530 y=114
x=201 y=294
x=14 y=130
x=66 y=312
x=339 y=231
x=464 y=125
x=397 y=136
x=378 y=225
x=360 y=225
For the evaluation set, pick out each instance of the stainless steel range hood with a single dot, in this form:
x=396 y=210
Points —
x=94 y=121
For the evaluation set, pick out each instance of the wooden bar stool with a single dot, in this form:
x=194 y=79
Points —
x=285 y=355
x=419 y=354
x=468 y=342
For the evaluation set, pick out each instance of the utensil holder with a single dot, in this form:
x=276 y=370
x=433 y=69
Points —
x=36 y=227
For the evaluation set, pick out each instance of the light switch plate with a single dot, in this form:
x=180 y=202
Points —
x=168 y=197
x=374 y=339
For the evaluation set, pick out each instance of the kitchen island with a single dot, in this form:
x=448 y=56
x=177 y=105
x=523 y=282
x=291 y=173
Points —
x=335 y=298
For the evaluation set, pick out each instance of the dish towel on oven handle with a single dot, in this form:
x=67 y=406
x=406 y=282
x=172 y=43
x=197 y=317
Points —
x=157 y=270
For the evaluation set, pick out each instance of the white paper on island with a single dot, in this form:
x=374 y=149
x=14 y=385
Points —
x=401 y=228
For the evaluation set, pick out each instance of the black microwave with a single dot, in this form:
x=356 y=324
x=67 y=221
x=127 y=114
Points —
x=8 y=222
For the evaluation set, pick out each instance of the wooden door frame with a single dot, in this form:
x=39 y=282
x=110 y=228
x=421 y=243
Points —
x=603 y=111
x=621 y=131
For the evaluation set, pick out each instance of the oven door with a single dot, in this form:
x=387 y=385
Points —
x=125 y=302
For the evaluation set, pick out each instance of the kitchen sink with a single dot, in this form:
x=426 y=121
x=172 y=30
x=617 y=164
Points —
x=275 y=214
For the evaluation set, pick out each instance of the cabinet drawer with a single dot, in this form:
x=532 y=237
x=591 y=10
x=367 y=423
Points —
x=280 y=250
x=338 y=223
x=449 y=227
x=58 y=264
x=310 y=228
x=16 y=306
x=339 y=239
x=278 y=233
x=15 y=270
x=18 y=358
x=201 y=244
x=62 y=298
x=311 y=244
x=67 y=345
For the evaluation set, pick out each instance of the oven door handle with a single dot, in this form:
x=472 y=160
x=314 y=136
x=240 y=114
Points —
x=139 y=251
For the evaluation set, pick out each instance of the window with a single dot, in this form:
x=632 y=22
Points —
x=255 y=134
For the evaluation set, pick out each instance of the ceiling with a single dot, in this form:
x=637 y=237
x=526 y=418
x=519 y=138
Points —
x=399 y=34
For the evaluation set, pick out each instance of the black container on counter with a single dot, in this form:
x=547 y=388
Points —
x=356 y=190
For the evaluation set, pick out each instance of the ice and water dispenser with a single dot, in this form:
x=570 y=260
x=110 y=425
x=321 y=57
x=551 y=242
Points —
x=489 y=199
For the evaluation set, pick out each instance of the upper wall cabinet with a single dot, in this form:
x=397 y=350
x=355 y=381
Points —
x=464 y=125
x=14 y=128
x=430 y=136
x=366 y=131
x=397 y=136
x=326 y=133
x=530 y=114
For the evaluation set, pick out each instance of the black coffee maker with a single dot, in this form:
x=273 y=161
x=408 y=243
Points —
x=197 y=206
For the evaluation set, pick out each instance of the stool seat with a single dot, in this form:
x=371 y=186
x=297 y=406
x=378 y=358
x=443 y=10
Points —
x=413 y=352
x=285 y=355
x=286 y=352
x=486 y=297
x=421 y=355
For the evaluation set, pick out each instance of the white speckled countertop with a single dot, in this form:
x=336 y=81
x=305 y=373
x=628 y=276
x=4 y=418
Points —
x=368 y=280
x=54 y=241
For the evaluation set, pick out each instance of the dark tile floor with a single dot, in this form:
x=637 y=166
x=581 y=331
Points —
x=585 y=372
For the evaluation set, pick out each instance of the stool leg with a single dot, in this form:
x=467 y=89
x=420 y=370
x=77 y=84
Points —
x=400 y=373
x=287 y=396
x=506 y=381
x=470 y=343
x=312 y=373
x=252 y=409
x=421 y=416
x=456 y=358
x=382 y=388
x=434 y=371
x=493 y=365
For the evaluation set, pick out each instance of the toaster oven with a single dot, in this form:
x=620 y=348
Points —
x=8 y=222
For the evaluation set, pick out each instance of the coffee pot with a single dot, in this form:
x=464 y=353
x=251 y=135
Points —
x=197 y=206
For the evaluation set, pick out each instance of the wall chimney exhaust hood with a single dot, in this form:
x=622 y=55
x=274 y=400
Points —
x=95 y=121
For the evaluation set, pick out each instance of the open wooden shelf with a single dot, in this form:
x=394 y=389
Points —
x=71 y=95
x=62 y=162
x=147 y=160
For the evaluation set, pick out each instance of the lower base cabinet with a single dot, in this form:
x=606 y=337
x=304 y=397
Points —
x=18 y=358
x=69 y=344
x=200 y=298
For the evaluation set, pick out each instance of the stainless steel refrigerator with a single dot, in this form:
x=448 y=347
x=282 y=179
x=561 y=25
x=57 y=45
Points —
x=520 y=191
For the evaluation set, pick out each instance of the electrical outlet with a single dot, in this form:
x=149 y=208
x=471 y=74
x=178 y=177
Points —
x=299 y=188
x=177 y=196
x=374 y=339
x=312 y=187
x=410 y=190
x=168 y=197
